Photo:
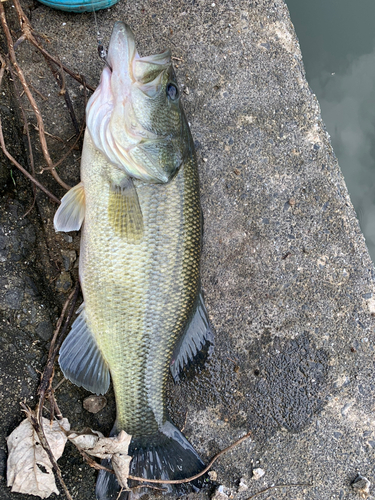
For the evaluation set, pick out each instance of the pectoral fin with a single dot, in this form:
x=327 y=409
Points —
x=124 y=211
x=197 y=332
x=71 y=212
x=80 y=359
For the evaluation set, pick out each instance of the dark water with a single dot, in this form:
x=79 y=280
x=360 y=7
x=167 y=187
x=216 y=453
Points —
x=337 y=39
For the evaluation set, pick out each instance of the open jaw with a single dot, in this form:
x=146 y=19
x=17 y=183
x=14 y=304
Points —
x=127 y=139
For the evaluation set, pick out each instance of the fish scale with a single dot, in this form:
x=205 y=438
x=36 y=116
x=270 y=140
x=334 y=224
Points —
x=135 y=330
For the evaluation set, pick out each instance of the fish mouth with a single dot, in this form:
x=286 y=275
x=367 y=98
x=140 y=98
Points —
x=125 y=138
x=126 y=64
x=121 y=54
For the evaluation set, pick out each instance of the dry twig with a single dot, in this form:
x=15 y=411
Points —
x=93 y=463
x=45 y=387
x=28 y=34
x=60 y=78
x=139 y=487
x=9 y=156
x=96 y=465
x=17 y=93
x=22 y=79
x=38 y=427
x=58 y=69
x=72 y=147
x=192 y=478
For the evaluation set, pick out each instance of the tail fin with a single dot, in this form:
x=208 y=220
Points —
x=164 y=455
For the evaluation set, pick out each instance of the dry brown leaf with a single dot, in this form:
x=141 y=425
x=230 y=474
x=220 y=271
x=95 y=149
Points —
x=114 y=448
x=29 y=469
x=121 y=465
x=96 y=445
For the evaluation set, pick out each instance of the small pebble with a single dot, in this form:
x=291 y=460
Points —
x=219 y=494
x=64 y=282
x=258 y=473
x=94 y=404
x=66 y=237
x=212 y=475
x=361 y=485
x=44 y=330
x=242 y=486
x=69 y=257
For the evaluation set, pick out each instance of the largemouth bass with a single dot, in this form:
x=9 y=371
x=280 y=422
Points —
x=138 y=204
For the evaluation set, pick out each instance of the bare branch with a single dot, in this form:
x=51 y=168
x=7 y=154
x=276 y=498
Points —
x=38 y=427
x=28 y=33
x=14 y=161
x=93 y=463
x=192 y=478
x=59 y=76
x=47 y=376
x=71 y=149
x=21 y=77
x=26 y=126
x=45 y=386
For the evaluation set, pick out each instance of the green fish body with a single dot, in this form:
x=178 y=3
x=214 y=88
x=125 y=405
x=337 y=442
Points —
x=143 y=311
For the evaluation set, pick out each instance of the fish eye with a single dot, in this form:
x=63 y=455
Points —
x=172 y=91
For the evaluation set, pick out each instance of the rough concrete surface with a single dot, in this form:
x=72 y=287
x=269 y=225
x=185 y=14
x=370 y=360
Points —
x=286 y=273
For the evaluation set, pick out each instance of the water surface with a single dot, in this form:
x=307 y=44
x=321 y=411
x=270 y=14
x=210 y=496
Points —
x=337 y=39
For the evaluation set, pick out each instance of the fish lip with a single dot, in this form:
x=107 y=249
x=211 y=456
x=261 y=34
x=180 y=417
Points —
x=122 y=53
x=122 y=50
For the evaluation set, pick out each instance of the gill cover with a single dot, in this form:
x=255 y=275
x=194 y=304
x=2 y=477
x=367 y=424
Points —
x=133 y=117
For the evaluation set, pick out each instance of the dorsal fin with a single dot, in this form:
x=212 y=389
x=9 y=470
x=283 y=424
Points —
x=197 y=332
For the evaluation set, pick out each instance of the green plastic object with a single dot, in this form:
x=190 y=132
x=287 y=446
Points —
x=79 y=5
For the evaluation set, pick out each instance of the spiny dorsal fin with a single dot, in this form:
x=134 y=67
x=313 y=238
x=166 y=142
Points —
x=71 y=212
x=124 y=211
x=80 y=359
x=197 y=332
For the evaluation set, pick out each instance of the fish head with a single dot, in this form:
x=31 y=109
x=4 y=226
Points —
x=135 y=116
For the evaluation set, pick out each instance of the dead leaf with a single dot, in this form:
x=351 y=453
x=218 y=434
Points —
x=114 y=448
x=121 y=465
x=29 y=469
x=96 y=445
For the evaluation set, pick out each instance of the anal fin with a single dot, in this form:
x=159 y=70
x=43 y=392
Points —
x=71 y=212
x=124 y=211
x=81 y=360
x=197 y=333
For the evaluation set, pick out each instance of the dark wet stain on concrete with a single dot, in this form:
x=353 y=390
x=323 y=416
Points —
x=277 y=383
x=291 y=384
